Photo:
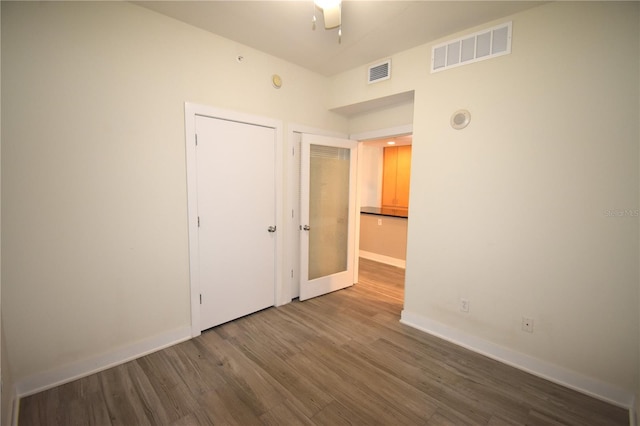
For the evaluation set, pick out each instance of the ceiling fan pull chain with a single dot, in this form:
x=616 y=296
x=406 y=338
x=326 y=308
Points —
x=313 y=18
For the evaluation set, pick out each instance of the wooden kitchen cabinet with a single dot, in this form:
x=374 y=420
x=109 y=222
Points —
x=396 y=176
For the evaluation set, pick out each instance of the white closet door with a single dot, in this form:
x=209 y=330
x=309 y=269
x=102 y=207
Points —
x=236 y=213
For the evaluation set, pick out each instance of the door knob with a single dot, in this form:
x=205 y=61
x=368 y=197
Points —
x=271 y=229
x=306 y=227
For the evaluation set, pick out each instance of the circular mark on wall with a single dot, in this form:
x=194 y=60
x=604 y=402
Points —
x=460 y=119
x=276 y=80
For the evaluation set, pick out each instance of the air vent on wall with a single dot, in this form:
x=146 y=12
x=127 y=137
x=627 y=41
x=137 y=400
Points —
x=472 y=48
x=379 y=72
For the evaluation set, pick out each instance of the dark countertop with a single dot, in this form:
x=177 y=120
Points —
x=386 y=211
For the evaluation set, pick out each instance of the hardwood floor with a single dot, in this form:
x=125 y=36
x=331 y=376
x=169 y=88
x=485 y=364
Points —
x=339 y=359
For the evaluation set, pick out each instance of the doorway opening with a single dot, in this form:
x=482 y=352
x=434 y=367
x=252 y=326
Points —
x=384 y=182
x=370 y=163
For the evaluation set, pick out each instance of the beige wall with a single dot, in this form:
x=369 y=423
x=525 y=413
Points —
x=530 y=211
x=384 y=235
x=94 y=218
x=518 y=212
x=370 y=169
x=6 y=388
x=383 y=118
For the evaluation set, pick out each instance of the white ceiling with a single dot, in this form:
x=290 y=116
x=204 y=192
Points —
x=371 y=30
x=384 y=142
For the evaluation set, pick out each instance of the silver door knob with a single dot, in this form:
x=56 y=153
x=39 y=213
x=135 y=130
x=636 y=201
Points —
x=306 y=227
x=271 y=229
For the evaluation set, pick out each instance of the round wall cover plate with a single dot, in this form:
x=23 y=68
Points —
x=460 y=119
x=276 y=80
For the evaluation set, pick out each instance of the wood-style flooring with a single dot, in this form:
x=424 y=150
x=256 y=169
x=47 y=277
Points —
x=340 y=359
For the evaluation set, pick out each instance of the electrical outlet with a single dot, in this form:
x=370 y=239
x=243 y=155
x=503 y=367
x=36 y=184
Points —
x=527 y=324
x=464 y=305
x=379 y=222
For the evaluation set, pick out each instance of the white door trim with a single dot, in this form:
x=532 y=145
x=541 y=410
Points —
x=191 y=110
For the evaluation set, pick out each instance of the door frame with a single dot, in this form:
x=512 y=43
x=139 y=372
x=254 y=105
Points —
x=291 y=284
x=291 y=287
x=191 y=110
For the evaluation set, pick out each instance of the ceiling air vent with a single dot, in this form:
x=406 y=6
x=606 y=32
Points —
x=472 y=48
x=380 y=71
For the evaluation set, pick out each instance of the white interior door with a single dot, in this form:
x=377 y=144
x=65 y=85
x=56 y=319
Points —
x=327 y=214
x=236 y=216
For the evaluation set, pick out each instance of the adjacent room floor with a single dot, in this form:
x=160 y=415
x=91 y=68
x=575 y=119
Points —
x=343 y=358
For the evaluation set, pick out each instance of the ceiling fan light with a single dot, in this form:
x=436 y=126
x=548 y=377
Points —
x=331 y=9
x=332 y=17
x=327 y=4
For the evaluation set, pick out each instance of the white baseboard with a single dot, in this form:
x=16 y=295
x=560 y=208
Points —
x=537 y=367
x=400 y=263
x=46 y=380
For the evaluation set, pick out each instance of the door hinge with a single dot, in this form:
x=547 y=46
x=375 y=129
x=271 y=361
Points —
x=196 y=140
x=201 y=299
x=292 y=273
x=293 y=151
x=198 y=221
